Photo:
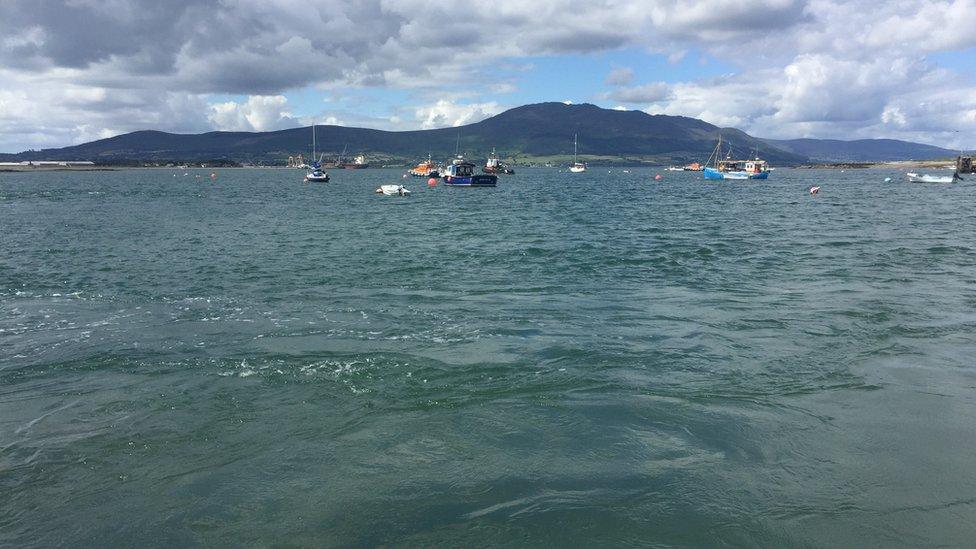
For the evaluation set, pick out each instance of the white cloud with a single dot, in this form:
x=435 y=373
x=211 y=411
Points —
x=446 y=113
x=826 y=97
x=259 y=113
x=72 y=70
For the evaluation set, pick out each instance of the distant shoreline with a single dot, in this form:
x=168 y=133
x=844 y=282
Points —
x=890 y=165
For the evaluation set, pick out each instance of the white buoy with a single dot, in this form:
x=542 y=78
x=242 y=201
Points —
x=814 y=190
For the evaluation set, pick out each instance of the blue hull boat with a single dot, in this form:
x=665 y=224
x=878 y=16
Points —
x=471 y=181
x=461 y=174
x=712 y=173
x=734 y=169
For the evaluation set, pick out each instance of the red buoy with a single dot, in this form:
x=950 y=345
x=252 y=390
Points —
x=432 y=181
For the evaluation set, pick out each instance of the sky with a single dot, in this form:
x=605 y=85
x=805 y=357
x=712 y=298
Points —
x=72 y=71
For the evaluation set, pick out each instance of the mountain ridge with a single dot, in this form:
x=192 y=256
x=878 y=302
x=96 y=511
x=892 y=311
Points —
x=521 y=134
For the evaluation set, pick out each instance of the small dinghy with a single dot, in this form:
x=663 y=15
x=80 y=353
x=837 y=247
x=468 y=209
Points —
x=915 y=178
x=393 y=190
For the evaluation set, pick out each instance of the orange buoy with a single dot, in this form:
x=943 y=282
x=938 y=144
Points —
x=432 y=181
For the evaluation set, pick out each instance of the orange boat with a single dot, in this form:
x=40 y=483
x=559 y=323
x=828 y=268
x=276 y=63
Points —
x=425 y=169
x=693 y=167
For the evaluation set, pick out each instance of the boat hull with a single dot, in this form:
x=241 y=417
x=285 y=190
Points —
x=424 y=173
x=317 y=177
x=486 y=180
x=393 y=190
x=712 y=173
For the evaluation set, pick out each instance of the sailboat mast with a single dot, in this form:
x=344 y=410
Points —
x=313 y=141
x=575 y=147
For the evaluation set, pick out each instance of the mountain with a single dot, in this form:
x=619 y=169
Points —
x=528 y=132
x=861 y=150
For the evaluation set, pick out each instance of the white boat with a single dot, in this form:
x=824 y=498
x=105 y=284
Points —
x=577 y=166
x=317 y=174
x=674 y=169
x=915 y=178
x=393 y=190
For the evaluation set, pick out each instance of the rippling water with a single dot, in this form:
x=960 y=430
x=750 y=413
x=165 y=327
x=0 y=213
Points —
x=594 y=359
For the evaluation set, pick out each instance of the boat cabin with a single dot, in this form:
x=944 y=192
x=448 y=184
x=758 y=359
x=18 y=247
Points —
x=749 y=166
x=461 y=169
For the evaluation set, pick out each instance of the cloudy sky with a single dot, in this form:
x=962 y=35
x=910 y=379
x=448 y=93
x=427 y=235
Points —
x=76 y=70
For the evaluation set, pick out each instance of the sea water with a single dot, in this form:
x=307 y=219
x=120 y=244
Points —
x=565 y=360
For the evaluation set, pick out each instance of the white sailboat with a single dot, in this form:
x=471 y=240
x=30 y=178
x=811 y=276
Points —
x=317 y=174
x=577 y=166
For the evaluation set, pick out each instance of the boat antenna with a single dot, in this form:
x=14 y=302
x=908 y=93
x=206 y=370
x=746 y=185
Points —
x=457 y=145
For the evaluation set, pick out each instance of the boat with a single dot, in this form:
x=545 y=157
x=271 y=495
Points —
x=357 y=164
x=693 y=167
x=493 y=165
x=577 y=166
x=461 y=174
x=915 y=178
x=393 y=190
x=317 y=174
x=674 y=169
x=734 y=169
x=425 y=169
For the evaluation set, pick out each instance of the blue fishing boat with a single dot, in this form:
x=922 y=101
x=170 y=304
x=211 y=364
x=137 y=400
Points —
x=734 y=169
x=461 y=174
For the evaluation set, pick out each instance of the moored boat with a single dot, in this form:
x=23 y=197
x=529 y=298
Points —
x=693 y=167
x=357 y=164
x=461 y=174
x=393 y=190
x=577 y=166
x=317 y=174
x=734 y=169
x=425 y=169
x=494 y=166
